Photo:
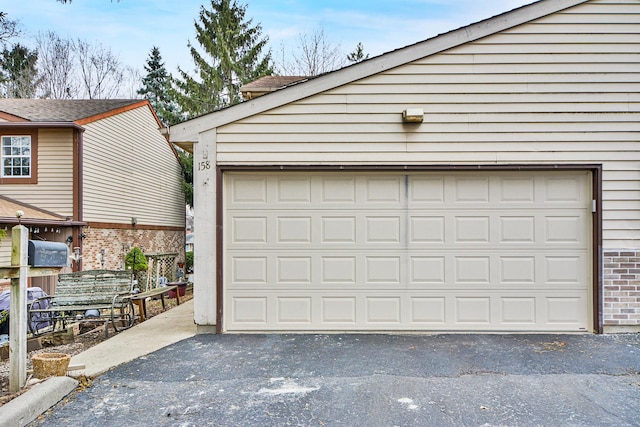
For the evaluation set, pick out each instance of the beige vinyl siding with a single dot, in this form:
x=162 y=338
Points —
x=54 y=190
x=5 y=249
x=131 y=171
x=561 y=89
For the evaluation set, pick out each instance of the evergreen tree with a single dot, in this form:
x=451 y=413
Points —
x=186 y=161
x=155 y=87
x=233 y=56
x=18 y=72
x=357 y=55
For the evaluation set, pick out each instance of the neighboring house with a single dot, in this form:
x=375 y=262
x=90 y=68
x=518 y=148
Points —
x=268 y=84
x=96 y=174
x=188 y=242
x=486 y=179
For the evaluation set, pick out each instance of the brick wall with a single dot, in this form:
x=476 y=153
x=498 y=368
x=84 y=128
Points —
x=111 y=241
x=621 y=277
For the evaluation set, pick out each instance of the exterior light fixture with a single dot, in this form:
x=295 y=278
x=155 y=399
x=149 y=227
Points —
x=413 y=115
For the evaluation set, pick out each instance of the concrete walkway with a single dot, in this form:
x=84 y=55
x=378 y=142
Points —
x=159 y=331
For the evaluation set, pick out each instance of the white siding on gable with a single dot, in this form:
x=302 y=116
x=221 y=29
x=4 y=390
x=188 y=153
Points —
x=54 y=190
x=131 y=171
x=561 y=89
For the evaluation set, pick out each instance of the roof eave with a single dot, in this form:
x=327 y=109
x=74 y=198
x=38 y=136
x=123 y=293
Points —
x=41 y=125
x=115 y=111
x=42 y=222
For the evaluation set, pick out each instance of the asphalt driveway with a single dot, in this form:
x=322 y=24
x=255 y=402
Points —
x=369 y=380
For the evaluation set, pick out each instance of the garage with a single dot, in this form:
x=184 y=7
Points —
x=483 y=180
x=420 y=251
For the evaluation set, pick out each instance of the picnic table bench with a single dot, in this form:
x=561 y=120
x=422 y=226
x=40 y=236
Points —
x=140 y=299
x=87 y=296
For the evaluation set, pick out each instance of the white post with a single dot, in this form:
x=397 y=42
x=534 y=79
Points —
x=204 y=197
x=18 y=310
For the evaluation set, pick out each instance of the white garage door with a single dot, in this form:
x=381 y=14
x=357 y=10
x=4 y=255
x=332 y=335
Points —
x=342 y=251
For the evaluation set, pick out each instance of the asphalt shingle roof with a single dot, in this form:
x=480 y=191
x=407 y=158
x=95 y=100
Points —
x=9 y=207
x=61 y=110
x=268 y=83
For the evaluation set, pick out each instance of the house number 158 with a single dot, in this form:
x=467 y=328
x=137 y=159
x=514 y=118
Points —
x=204 y=165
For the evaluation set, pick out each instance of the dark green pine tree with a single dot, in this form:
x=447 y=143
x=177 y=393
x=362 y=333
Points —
x=232 y=56
x=357 y=55
x=18 y=72
x=156 y=87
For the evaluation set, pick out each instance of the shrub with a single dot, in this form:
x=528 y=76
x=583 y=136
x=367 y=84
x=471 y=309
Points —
x=135 y=260
x=189 y=261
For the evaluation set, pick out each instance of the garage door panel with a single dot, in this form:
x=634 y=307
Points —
x=295 y=229
x=517 y=229
x=428 y=311
x=249 y=229
x=472 y=270
x=337 y=229
x=473 y=310
x=383 y=229
x=426 y=190
x=467 y=268
x=398 y=229
x=249 y=310
x=518 y=311
x=293 y=190
x=338 y=311
x=338 y=190
x=383 y=310
x=248 y=190
x=474 y=229
x=470 y=190
x=294 y=310
x=567 y=310
x=426 y=229
x=427 y=270
x=516 y=190
x=294 y=270
x=423 y=251
x=518 y=270
x=563 y=189
x=564 y=229
x=381 y=269
x=564 y=270
x=249 y=270
x=386 y=190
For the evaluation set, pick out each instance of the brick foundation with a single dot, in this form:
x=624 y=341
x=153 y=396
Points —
x=111 y=241
x=621 y=288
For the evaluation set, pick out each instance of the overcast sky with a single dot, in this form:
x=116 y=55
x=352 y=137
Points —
x=132 y=27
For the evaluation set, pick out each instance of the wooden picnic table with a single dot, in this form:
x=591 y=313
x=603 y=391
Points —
x=140 y=299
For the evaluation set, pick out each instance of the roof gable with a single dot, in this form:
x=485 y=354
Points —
x=188 y=131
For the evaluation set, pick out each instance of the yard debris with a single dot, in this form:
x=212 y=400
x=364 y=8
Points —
x=553 y=345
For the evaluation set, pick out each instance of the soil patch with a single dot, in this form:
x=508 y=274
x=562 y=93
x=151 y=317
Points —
x=83 y=339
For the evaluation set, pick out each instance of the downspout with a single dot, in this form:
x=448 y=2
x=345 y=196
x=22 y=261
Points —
x=78 y=190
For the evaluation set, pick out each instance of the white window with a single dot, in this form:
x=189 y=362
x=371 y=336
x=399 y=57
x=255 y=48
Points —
x=16 y=156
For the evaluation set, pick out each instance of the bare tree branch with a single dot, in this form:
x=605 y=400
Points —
x=315 y=55
x=100 y=70
x=8 y=28
x=56 y=65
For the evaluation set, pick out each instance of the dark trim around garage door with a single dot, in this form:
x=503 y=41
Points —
x=596 y=220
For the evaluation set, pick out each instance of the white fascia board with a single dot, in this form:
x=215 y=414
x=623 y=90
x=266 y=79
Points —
x=188 y=131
